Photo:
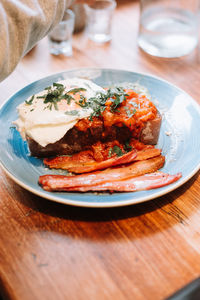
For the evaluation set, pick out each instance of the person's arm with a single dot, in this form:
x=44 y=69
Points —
x=22 y=24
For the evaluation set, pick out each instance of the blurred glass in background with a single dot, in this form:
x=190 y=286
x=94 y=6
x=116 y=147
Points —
x=99 y=20
x=60 y=38
x=168 y=28
x=80 y=17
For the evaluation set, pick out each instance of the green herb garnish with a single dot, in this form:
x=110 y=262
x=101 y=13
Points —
x=47 y=88
x=129 y=111
x=110 y=152
x=97 y=103
x=76 y=90
x=68 y=98
x=55 y=94
x=115 y=150
x=117 y=96
x=72 y=112
x=127 y=147
x=58 y=85
x=29 y=102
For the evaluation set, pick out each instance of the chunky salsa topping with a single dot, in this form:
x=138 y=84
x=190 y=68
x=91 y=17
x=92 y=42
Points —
x=116 y=107
x=119 y=107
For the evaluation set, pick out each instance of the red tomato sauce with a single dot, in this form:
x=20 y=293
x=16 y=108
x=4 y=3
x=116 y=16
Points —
x=133 y=113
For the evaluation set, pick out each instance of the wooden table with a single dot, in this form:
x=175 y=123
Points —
x=145 y=251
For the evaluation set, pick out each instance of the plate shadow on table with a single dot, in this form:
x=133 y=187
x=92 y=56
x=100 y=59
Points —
x=55 y=216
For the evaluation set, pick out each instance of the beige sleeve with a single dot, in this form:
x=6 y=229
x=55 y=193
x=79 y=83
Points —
x=22 y=24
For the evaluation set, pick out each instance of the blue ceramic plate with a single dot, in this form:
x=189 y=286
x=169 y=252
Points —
x=179 y=138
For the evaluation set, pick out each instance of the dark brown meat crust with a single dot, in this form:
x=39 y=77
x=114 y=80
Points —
x=76 y=141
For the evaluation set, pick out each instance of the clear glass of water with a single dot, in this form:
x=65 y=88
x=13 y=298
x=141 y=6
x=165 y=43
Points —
x=99 y=20
x=60 y=38
x=168 y=28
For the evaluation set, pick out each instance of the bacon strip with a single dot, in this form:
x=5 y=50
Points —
x=84 y=162
x=66 y=162
x=63 y=183
x=115 y=161
x=147 y=153
x=140 y=183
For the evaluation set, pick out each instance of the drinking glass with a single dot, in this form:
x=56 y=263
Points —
x=168 y=28
x=60 y=38
x=99 y=20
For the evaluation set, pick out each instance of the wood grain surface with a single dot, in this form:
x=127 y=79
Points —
x=145 y=251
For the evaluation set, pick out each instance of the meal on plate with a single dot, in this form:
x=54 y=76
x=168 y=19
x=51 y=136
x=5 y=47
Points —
x=104 y=137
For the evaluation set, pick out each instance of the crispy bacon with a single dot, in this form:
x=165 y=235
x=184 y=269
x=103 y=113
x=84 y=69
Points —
x=84 y=162
x=66 y=162
x=140 y=183
x=147 y=153
x=63 y=183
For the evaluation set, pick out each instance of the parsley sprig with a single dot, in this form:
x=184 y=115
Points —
x=56 y=93
x=29 y=102
x=72 y=113
x=117 y=96
x=97 y=104
x=118 y=151
x=76 y=90
x=115 y=150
